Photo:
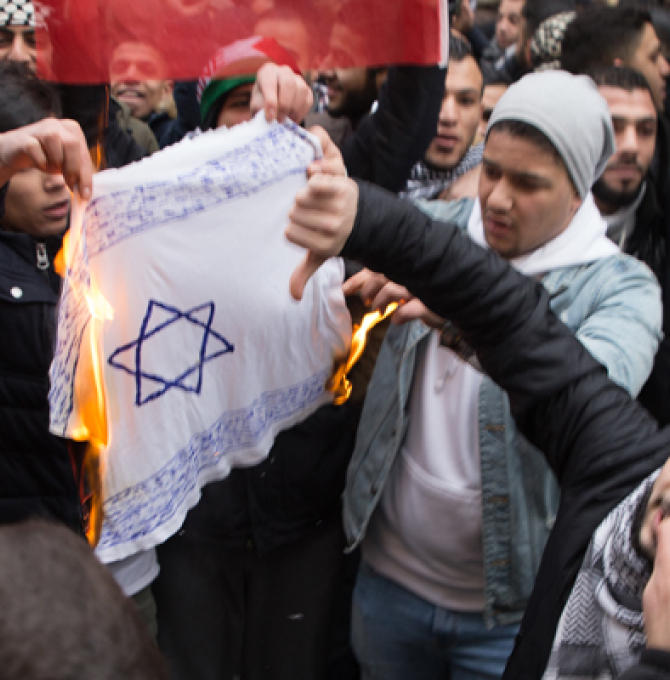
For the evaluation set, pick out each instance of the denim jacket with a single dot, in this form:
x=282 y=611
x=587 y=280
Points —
x=614 y=307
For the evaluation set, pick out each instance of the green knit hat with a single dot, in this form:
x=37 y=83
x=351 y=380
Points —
x=217 y=89
x=234 y=65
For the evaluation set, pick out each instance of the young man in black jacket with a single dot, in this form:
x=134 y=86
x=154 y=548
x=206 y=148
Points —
x=601 y=445
x=37 y=472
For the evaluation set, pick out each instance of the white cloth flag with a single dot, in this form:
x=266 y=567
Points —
x=207 y=356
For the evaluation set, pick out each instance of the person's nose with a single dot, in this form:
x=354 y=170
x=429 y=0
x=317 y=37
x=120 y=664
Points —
x=53 y=182
x=663 y=66
x=628 y=142
x=500 y=198
x=449 y=111
x=19 y=51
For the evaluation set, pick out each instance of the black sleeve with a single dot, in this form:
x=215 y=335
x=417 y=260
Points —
x=3 y=196
x=507 y=319
x=599 y=442
x=387 y=144
x=654 y=665
x=655 y=395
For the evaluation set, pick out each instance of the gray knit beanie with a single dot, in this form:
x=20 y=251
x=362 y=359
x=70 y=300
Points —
x=570 y=112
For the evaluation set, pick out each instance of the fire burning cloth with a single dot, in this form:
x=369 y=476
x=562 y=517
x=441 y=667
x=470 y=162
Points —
x=207 y=357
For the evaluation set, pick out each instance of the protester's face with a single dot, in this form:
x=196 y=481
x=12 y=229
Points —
x=459 y=115
x=237 y=107
x=137 y=76
x=351 y=91
x=648 y=59
x=37 y=203
x=490 y=98
x=634 y=119
x=526 y=195
x=17 y=43
x=658 y=507
x=509 y=22
x=292 y=34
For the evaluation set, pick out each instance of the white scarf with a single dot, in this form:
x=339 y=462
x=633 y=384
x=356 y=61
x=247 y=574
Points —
x=583 y=241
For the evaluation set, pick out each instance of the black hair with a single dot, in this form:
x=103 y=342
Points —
x=62 y=614
x=599 y=35
x=454 y=8
x=620 y=77
x=459 y=49
x=24 y=98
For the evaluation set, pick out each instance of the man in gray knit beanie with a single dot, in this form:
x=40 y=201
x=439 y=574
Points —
x=570 y=113
x=549 y=138
x=17 y=32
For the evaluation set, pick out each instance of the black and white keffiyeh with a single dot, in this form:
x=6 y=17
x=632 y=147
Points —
x=429 y=184
x=547 y=41
x=601 y=631
x=17 y=13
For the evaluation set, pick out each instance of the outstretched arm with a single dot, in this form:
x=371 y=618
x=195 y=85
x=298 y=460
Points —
x=599 y=442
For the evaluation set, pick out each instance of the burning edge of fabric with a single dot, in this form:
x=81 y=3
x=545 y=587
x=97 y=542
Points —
x=338 y=383
x=93 y=429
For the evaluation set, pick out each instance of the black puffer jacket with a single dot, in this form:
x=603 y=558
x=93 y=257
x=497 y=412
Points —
x=654 y=665
x=650 y=243
x=600 y=443
x=36 y=473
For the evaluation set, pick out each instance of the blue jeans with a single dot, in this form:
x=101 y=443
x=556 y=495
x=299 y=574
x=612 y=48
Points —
x=397 y=635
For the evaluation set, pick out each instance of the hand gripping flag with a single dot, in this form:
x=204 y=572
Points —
x=177 y=290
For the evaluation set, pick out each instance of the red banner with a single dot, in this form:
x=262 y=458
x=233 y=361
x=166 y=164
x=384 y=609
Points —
x=81 y=40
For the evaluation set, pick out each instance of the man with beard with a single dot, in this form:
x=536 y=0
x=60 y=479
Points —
x=381 y=143
x=625 y=37
x=621 y=191
x=17 y=32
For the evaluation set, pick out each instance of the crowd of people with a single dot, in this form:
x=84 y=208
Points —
x=491 y=500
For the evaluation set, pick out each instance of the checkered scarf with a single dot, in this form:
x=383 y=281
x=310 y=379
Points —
x=601 y=631
x=429 y=184
x=17 y=13
x=546 y=44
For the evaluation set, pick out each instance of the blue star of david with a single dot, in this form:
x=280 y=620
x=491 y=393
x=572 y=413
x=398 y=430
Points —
x=162 y=319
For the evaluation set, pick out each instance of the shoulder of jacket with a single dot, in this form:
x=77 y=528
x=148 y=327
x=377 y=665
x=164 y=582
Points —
x=448 y=211
x=625 y=268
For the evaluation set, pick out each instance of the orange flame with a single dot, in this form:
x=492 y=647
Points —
x=338 y=383
x=89 y=386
